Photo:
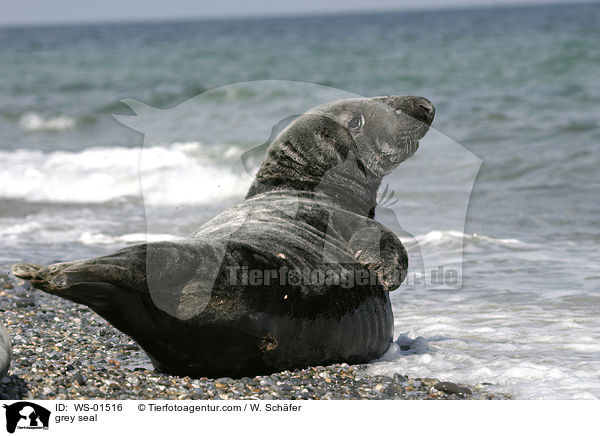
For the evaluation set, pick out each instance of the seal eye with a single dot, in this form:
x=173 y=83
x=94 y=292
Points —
x=356 y=122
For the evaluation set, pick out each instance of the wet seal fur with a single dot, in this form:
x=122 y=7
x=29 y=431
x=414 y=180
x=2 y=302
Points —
x=311 y=207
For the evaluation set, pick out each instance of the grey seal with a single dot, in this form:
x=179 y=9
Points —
x=233 y=299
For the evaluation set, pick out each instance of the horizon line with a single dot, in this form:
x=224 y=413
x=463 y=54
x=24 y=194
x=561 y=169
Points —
x=298 y=14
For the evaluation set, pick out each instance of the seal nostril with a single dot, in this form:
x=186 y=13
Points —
x=427 y=107
x=424 y=110
x=419 y=108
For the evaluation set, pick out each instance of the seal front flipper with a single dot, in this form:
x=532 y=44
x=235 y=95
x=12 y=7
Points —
x=381 y=251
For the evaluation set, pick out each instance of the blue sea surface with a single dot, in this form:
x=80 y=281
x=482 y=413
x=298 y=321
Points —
x=515 y=87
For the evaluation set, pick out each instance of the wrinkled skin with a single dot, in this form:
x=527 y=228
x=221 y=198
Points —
x=311 y=206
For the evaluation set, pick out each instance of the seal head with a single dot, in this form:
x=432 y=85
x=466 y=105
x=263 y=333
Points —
x=345 y=148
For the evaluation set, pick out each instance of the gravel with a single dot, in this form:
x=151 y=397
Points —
x=62 y=350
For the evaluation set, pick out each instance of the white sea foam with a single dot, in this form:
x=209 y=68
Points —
x=519 y=347
x=130 y=238
x=178 y=174
x=36 y=229
x=455 y=238
x=41 y=229
x=32 y=121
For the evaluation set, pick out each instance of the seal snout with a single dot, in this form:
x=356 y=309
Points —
x=424 y=111
x=418 y=108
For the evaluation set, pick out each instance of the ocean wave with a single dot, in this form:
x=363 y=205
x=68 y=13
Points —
x=44 y=228
x=90 y=238
x=171 y=96
x=454 y=239
x=181 y=173
x=32 y=121
x=20 y=228
x=35 y=229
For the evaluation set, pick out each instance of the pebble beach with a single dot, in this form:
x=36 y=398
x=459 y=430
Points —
x=64 y=351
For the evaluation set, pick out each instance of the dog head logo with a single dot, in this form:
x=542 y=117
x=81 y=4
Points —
x=26 y=415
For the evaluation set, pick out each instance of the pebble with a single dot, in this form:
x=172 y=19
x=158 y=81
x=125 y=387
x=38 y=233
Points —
x=24 y=302
x=430 y=381
x=453 y=388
